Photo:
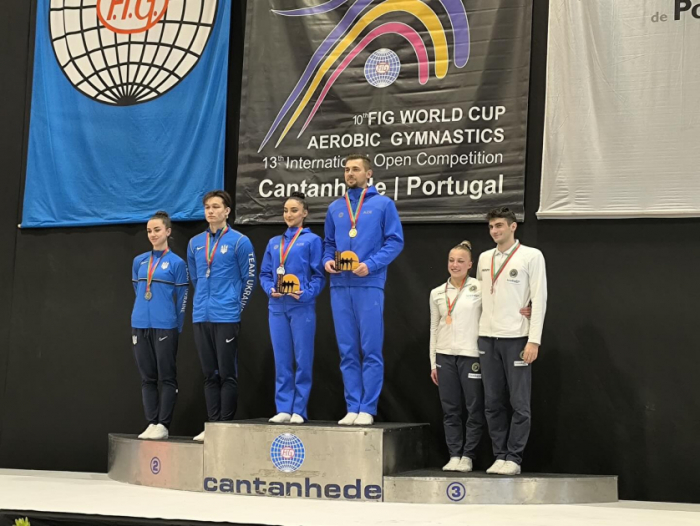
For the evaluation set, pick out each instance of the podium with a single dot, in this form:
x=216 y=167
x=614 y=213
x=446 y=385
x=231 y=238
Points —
x=322 y=460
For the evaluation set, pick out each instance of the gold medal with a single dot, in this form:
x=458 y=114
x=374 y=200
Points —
x=448 y=320
x=354 y=216
x=148 y=295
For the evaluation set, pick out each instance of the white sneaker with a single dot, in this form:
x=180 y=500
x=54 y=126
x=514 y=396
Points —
x=147 y=432
x=199 y=437
x=451 y=465
x=465 y=465
x=364 y=419
x=495 y=469
x=160 y=432
x=348 y=419
x=510 y=468
x=280 y=418
x=296 y=419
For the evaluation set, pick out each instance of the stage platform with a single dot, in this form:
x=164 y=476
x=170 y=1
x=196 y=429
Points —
x=95 y=494
x=322 y=460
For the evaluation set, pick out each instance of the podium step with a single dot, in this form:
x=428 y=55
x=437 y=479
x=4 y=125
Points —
x=320 y=460
x=434 y=486
x=176 y=463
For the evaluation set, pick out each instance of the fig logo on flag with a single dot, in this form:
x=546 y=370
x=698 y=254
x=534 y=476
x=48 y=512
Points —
x=130 y=16
x=126 y=52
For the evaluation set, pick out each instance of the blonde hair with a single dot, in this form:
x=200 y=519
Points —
x=464 y=245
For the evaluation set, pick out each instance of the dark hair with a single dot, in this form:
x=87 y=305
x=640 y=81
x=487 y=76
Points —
x=502 y=212
x=300 y=197
x=464 y=245
x=358 y=156
x=163 y=216
x=223 y=194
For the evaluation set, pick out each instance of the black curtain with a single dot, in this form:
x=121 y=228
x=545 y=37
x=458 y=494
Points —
x=615 y=389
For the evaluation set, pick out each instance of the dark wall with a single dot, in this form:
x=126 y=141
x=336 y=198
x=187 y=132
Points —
x=615 y=387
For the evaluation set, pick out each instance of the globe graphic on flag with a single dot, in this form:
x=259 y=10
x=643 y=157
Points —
x=382 y=68
x=287 y=452
x=124 y=53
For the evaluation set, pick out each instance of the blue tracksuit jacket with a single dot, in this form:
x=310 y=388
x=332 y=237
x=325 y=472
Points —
x=379 y=239
x=358 y=303
x=166 y=309
x=222 y=296
x=303 y=260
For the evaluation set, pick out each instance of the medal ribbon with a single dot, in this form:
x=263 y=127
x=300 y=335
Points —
x=152 y=268
x=451 y=305
x=355 y=215
x=284 y=253
x=210 y=253
x=495 y=276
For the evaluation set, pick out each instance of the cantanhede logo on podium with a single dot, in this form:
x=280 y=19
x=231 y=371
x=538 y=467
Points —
x=126 y=52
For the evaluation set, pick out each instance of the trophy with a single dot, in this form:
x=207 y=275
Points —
x=346 y=261
x=287 y=283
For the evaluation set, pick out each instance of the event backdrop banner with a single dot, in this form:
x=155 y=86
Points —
x=622 y=131
x=434 y=92
x=128 y=110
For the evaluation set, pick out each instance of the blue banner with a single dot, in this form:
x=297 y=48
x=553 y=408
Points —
x=128 y=110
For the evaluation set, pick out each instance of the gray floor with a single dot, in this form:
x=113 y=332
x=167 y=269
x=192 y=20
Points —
x=94 y=493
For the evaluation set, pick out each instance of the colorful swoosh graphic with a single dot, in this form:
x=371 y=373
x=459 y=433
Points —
x=397 y=28
x=346 y=32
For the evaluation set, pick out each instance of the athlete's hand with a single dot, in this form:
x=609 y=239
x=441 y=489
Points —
x=296 y=296
x=433 y=376
x=330 y=267
x=361 y=270
x=527 y=312
x=274 y=293
x=530 y=353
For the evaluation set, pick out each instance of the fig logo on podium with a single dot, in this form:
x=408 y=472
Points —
x=287 y=453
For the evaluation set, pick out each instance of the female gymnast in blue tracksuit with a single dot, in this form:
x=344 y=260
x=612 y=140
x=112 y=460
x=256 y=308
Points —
x=292 y=310
x=160 y=283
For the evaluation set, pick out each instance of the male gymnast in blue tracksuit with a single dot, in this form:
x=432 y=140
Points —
x=221 y=262
x=367 y=224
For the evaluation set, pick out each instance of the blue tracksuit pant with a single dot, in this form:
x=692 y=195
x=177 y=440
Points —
x=292 y=332
x=358 y=316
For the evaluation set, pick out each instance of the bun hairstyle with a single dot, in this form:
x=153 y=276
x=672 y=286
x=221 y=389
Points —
x=300 y=198
x=464 y=245
x=163 y=216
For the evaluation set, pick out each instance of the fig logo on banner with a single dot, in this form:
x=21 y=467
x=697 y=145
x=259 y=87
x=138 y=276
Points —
x=126 y=52
x=125 y=16
x=383 y=66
